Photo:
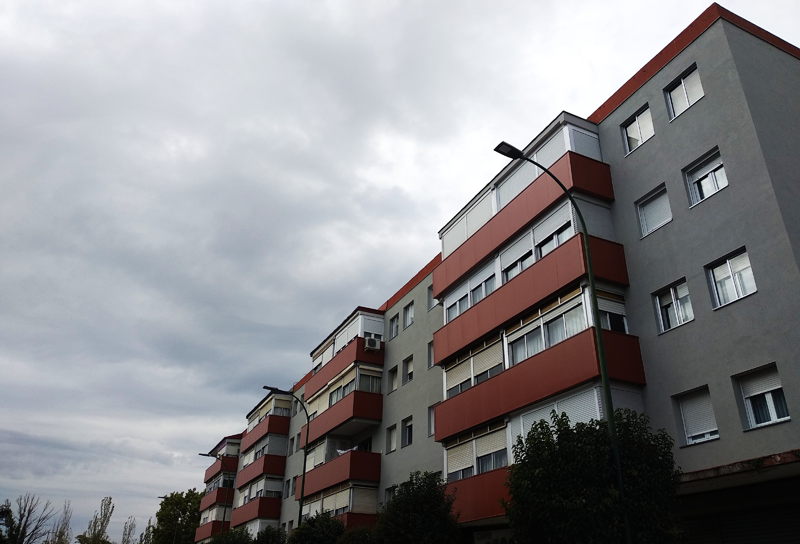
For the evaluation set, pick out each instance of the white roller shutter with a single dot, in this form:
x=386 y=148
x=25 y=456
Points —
x=522 y=331
x=515 y=184
x=453 y=237
x=352 y=329
x=479 y=215
x=490 y=443
x=341 y=340
x=580 y=408
x=655 y=212
x=481 y=276
x=460 y=457
x=342 y=499
x=488 y=358
x=552 y=150
x=611 y=306
x=552 y=223
x=373 y=325
x=273 y=485
x=516 y=250
x=310 y=459
x=277 y=444
x=329 y=503
x=698 y=414
x=694 y=89
x=327 y=355
x=458 y=374
x=364 y=500
x=760 y=382
x=535 y=416
x=585 y=144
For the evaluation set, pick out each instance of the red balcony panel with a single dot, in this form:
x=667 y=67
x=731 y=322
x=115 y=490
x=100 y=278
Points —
x=207 y=530
x=478 y=497
x=553 y=272
x=349 y=416
x=575 y=171
x=271 y=424
x=226 y=463
x=266 y=464
x=554 y=370
x=354 y=351
x=353 y=465
x=221 y=495
x=352 y=519
x=262 y=507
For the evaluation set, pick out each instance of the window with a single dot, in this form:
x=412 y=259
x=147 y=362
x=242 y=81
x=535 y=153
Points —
x=554 y=240
x=389 y=493
x=297 y=445
x=492 y=461
x=349 y=387
x=294 y=485
x=391 y=439
x=407 y=429
x=483 y=290
x=294 y=407
x=674 y=306
x=408 y=370
x=394 y=326
x=335 y=396
x=430 y=354
x=654 y=211
x=286 y=489
x=763 y=397
x=483 y=376
x=551 y=332
x=698 y=416
x=706 y=179
x=408 y=315
x=393 y=379
x=732 y=279
x=613 y=322
x=638 y=130
x=458 y=308
x=431 y=420
x=459 y=474
x=684 y=93
x=431 y=301
x=460 y=388
x=511 y=271
x=370 y=384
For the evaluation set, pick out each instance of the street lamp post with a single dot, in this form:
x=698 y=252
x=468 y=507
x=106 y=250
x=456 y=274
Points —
x=180 y=516
x=275 y=390
x=512 y=152
x=227 y=492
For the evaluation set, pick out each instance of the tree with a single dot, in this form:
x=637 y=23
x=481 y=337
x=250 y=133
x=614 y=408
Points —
x=96 y=532
x=234 y=536
x=421 y=511
x=26 y=525
x=61 y=533
x=562 y=483
x=177 y=518
x=128 y=531
x=321 y=528
x=270 y=535
x=362 y=534
x=146 y=536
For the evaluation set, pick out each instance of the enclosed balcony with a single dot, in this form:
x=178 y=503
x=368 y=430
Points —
x=351 y=415
x=550 y=274
x=353 y=465
x=207 y=530
x=266 y=464
x=576 y=172
x=354 y=519
x=221 y=495
x=226 y=463
x=352 y=352
x=258 y=508
x=271 y=424
x=554 y=370
x=478 y=497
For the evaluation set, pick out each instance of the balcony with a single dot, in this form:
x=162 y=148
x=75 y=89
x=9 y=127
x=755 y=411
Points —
x=563 y=266
x=552 y=371
x=259 y=508
x=353 y=519
x=349 y=416
x=354 y=351
x=226 y=463
x=353 y=465
x=271 y=424
x=478 y=497
x=207 y=530
x=221 y=495
x=266 y=464
x=576 y=172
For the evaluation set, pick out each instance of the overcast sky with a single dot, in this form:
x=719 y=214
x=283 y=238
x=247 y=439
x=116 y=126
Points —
x=194 y=194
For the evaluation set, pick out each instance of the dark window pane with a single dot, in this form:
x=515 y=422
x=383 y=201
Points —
x=780 y=403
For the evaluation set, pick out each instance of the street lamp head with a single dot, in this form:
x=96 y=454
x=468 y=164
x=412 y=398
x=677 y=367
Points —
x=276 y=390
x=509 y=151
x=208 y=455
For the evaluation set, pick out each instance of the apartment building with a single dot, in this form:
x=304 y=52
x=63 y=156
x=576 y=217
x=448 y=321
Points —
x=686 y=178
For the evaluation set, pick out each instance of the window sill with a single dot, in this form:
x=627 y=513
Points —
x=687 y=109
x=709 y=196
x=655 y=229
x=770 y=424
x=639 y=146
x=734 y=301
x=390 y=452
x=675 y=327
x=407 y=326
x=408 y=381
x=712 y=439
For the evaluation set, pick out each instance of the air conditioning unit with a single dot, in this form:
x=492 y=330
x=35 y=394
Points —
x=372 y=344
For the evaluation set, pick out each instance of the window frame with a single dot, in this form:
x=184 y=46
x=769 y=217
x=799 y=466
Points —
x=407 y=432
x=736 y=287
x=408 y=315
x=495 y=462
x=408 y=375
x=769 y=399
x=430 y=354
x=680 y=82
x=392 y=382
x=394 y=326
x=708 y=166
x=391 y=438
x=709 y=435
x=432 y=302
x=658 y=192
x=432 y=419
x=673 y=292
x=634 y=119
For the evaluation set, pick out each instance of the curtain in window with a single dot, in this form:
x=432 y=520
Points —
x=575 y=321
x=684 y=303
x=743 y=274
x=535 y=341
x=555 y=331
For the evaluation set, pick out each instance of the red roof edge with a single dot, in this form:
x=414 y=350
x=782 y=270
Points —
x=691 y=33
x=412 y=282
x=302 y=381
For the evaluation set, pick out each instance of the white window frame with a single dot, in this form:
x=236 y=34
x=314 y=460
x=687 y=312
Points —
x=391 y=439
x=408 y=315
x=768 y=398
x=408 y=369
x=681 y=83
x=673 y=293
x=392 y=379
x=432 y=420
x=737 y=287
x=559 y=237
x=705 y=435
x=432 y=302
x=430 y=354
x=710 y=168
x=407 y=432
x=635 y=121
x=660 y=192
x=394 y=326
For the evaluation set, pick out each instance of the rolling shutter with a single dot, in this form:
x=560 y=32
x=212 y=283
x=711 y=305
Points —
x=459 y=458
x=273 y=485
x=655 y=212
x=479 y=215
x=552 y=150
x=364 y=500
x=453 y=238
x=517 y=250
x=535 y=416
x=488 y=358
x=341 y=340
x=613 y=306
x=515 y=183
x=580 y=408
x=760 y=382
x=586 y=144
x=698 y=414
x=490 y=443
x=552 y=223
x=458 y=374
